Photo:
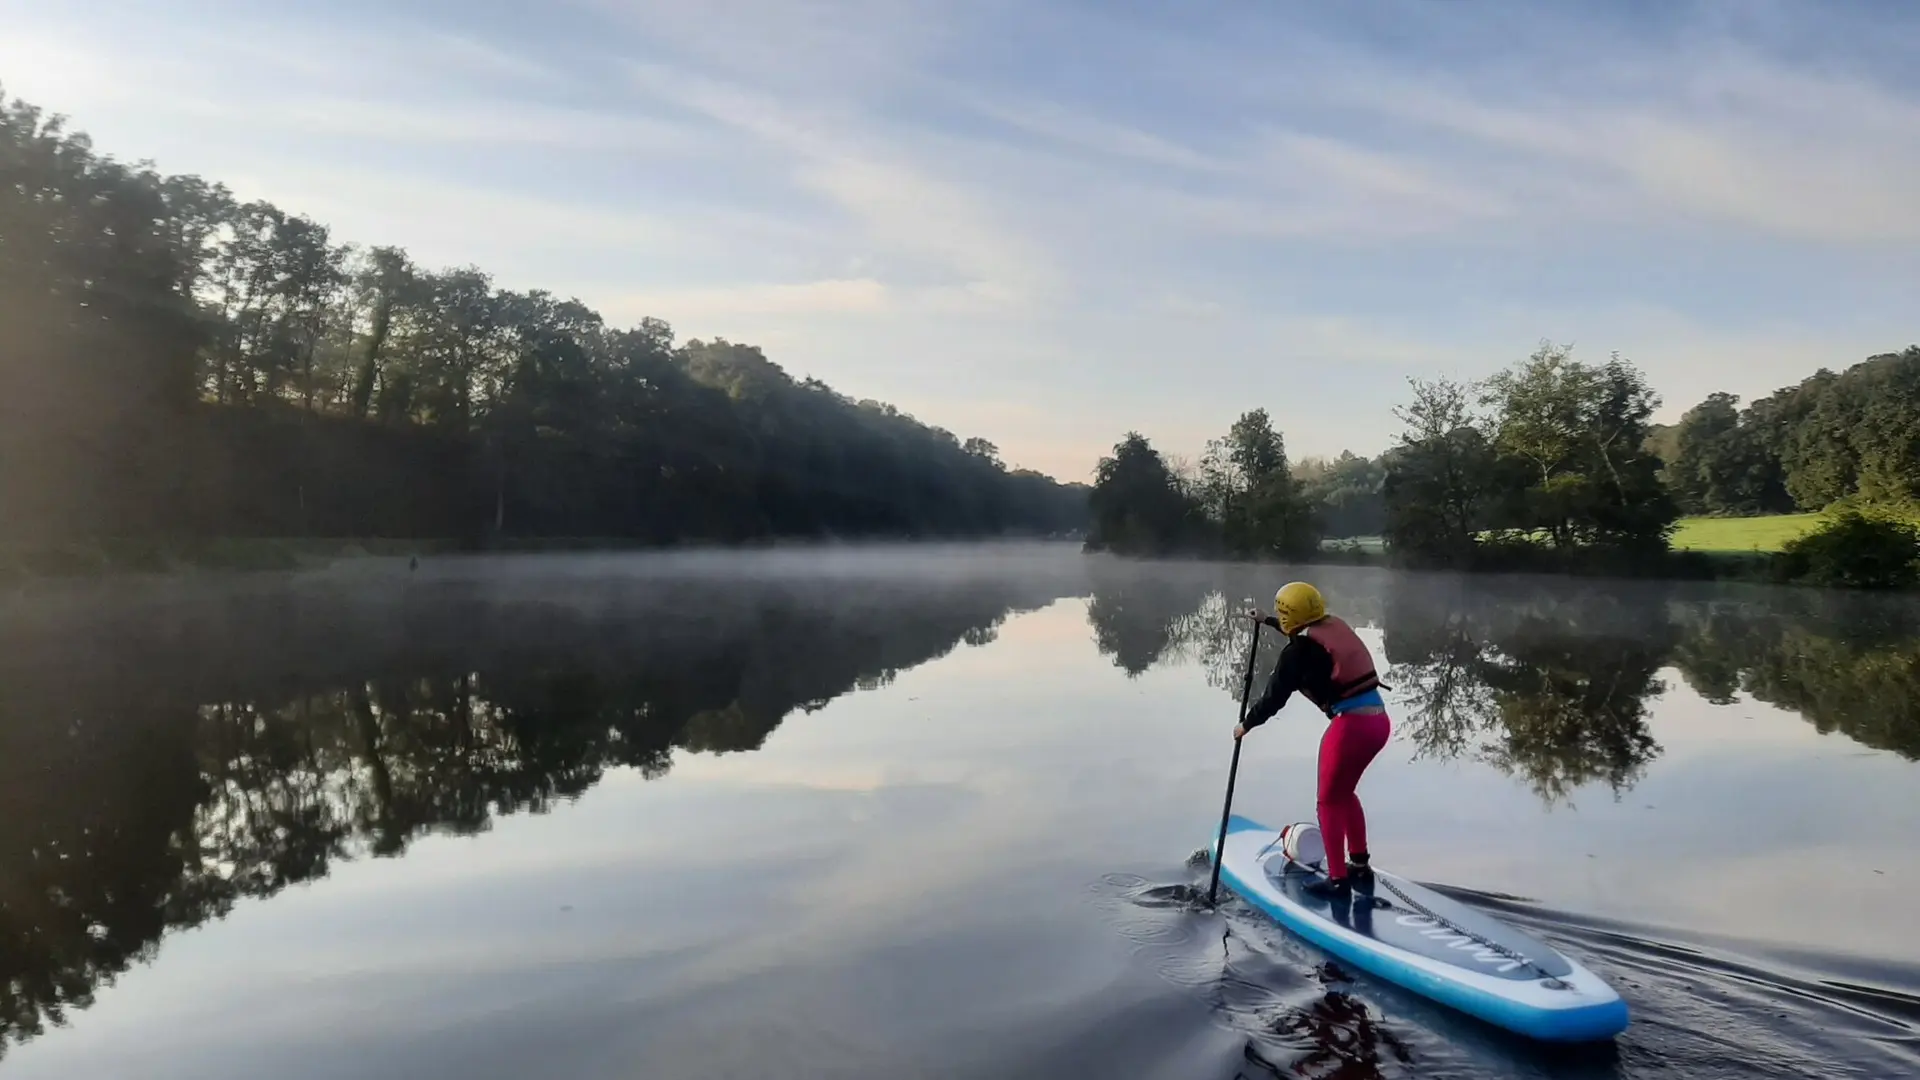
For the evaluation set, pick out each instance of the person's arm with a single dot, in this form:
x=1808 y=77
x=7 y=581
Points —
x=1300 y=662
x=1280 y=686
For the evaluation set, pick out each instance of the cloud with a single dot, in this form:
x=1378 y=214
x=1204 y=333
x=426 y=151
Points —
x=1074 y=129
x=1190 y=307
x=812 y=48
x=491 y=124
x=57 y=74
x=806 y=298
x=935 y=229
x=481 y=58
x=1736 y=139
x=1325 y=339
x=450 y=224
x=906 y=211
x=1269 y=181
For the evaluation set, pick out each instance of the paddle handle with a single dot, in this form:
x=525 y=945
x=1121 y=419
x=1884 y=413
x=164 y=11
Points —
x=1233 y=771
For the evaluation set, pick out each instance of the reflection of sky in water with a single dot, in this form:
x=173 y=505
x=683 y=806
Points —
x=903 y=868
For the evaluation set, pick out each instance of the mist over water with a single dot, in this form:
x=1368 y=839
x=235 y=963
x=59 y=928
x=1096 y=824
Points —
x=921 y=812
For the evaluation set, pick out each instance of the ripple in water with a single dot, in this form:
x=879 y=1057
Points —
x=1292 y=1007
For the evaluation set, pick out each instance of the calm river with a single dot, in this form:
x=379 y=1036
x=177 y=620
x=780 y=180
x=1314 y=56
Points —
x=920 y=813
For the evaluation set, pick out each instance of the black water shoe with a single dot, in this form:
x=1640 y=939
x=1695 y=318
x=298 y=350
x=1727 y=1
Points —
x=1328 y=888
x=1359 y=870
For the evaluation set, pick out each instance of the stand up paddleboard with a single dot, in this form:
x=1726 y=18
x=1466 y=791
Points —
x=1419 y=939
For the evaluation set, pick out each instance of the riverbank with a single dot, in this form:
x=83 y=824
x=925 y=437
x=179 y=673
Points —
x=1840 y=547
x=1529 y=558
x=146 y=556
x=149 y=556
x=95 y=558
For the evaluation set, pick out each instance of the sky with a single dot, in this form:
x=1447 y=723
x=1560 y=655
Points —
x=1049 y=222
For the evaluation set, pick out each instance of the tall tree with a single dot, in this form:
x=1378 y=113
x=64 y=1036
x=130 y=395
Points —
x=387 y=281
x=1581 y=432
x=1441 y=474
x=1274 y=521
x=1345 y=494
x=1137 y=505
x=983 y=450
x=1722 y=463
x=97 y=329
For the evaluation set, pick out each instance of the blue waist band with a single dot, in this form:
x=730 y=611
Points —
x=1358 y=701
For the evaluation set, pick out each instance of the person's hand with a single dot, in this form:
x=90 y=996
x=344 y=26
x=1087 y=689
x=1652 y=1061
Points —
x=1239 y=732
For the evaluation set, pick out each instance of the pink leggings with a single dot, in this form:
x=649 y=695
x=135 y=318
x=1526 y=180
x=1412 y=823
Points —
x=1346 y=750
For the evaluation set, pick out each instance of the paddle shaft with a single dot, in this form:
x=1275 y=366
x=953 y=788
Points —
x=1233 y=771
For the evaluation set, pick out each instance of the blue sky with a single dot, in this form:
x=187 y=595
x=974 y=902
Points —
x=1051 y=222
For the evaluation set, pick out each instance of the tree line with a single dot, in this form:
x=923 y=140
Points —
x=176 y=360
x=1552 y=463
x=1551 y=450
x=1852 y=436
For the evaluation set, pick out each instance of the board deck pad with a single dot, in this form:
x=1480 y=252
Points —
x=1425 y=941
x=1378 y=914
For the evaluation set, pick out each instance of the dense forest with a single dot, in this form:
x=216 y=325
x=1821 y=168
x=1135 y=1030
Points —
x=1853 y=436
x=175 y=361
x=1553 y=463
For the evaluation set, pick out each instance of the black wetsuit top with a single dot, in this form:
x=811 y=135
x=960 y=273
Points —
x=1305 y=666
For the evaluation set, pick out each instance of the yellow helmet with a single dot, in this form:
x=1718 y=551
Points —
x=1298 y=604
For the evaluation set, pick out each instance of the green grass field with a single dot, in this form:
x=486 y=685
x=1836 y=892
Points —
x=1741 y=534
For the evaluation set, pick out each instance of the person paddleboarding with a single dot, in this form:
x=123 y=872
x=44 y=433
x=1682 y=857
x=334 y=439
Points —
x=1328 y=664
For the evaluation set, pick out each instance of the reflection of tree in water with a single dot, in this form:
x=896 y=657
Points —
x=1139 y=612
x=1847 y=663
x=1550 y=681
x=1548 y=686
x=1338 y=1036
x=1158 y=613
x=1544 y=684
x=1573 y=710
x=151 y=787
x=1214 y=638
x=87 y=884
x=1436 y=665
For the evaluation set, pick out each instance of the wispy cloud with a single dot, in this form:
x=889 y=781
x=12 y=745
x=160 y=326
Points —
x=1726 y=137
x=805 y=298
x=1070 y=128
x=940 y=233
x=454 y=50
x=526 y=127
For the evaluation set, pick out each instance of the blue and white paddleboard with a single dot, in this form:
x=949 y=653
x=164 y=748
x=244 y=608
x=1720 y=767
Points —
x=1424 y=941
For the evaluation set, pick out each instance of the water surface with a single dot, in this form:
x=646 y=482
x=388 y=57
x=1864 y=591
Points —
x=920 y=813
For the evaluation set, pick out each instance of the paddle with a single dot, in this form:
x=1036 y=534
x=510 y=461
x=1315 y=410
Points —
x=1233 y=771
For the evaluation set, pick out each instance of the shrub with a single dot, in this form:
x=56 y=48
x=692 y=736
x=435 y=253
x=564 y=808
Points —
x=1852 y=550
